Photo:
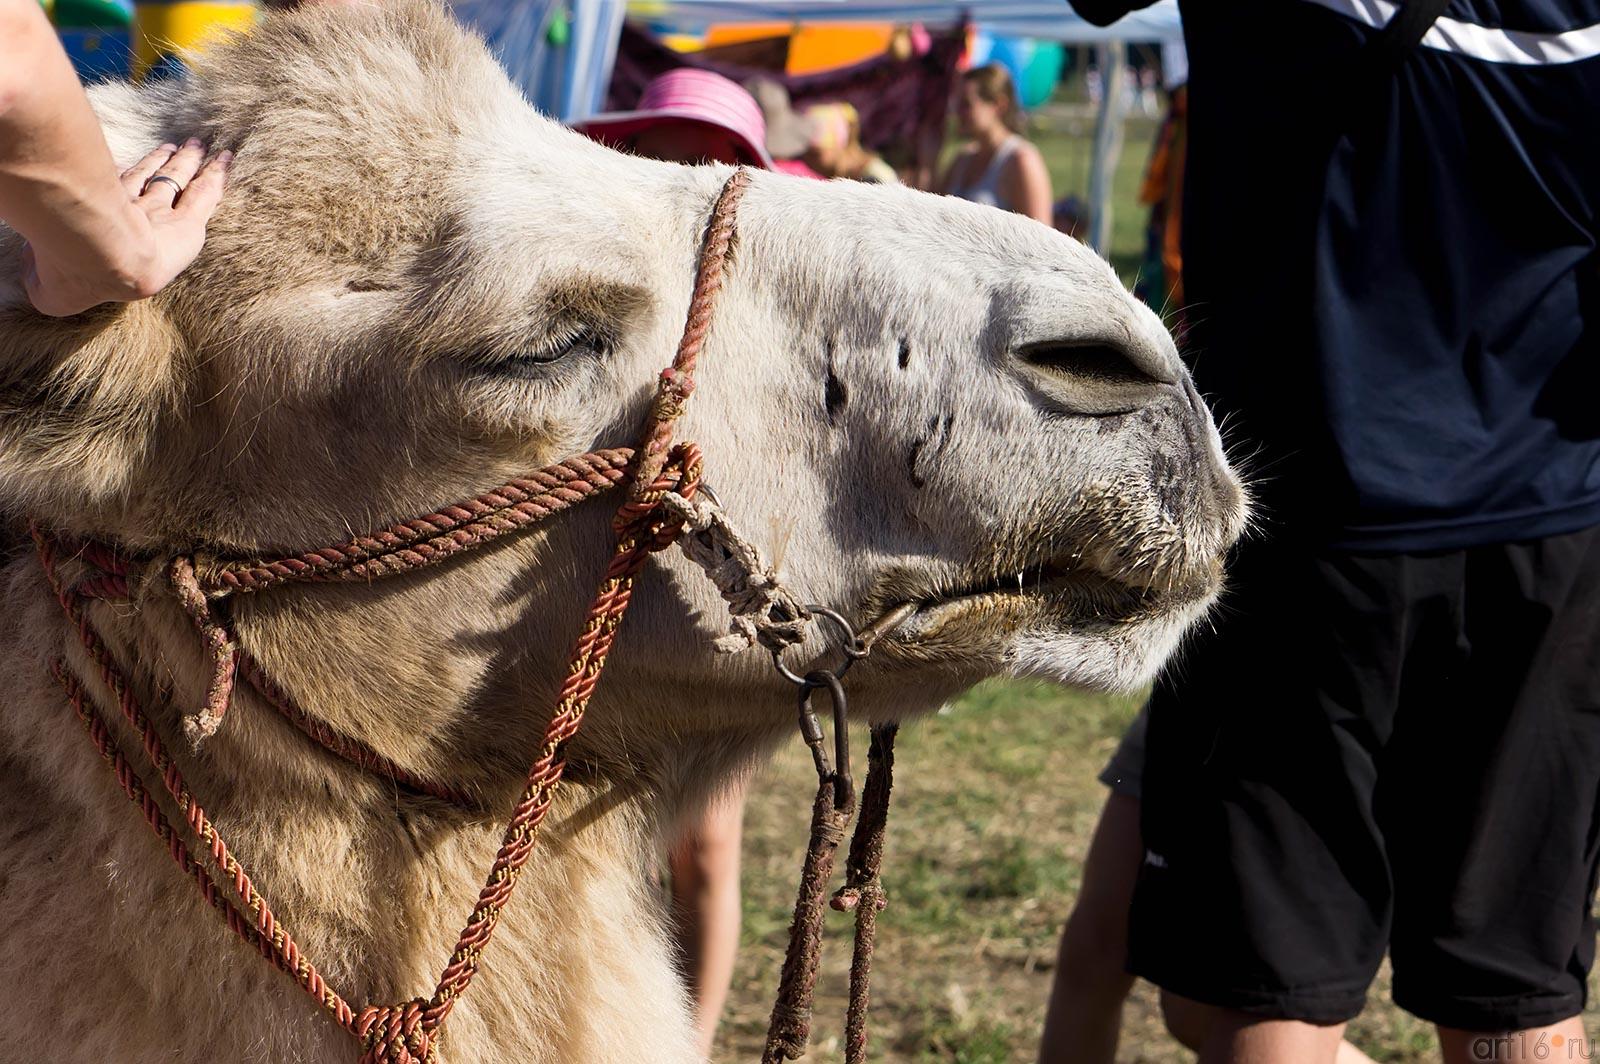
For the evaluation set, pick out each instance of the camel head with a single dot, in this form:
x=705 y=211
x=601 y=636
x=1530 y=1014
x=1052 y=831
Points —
x=417 y=287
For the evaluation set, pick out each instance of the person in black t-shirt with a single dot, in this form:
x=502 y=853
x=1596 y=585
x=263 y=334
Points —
x=1392 y=740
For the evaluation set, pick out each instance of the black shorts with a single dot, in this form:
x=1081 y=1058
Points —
x=1396 y=751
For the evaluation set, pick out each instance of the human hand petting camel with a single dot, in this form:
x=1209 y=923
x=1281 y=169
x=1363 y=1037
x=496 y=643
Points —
x=172 y=193
x=92 y=236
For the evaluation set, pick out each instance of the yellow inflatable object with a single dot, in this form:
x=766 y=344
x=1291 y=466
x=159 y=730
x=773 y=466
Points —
x=168 y=27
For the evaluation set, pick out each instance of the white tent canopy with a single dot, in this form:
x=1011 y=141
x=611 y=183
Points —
x=1045 y=19
x=567 y=76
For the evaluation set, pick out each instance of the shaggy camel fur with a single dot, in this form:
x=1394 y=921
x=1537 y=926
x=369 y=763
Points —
x=415 y=289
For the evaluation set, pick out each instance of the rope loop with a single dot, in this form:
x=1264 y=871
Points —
x=395 y=1034
x=223 y=652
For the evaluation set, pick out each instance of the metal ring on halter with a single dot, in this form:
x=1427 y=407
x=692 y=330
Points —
x=174 y=182
x=854 y=649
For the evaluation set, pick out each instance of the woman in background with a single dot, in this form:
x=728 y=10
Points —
x=998 y=166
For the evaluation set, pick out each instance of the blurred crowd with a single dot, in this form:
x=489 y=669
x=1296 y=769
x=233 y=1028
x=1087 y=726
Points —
x=691 y=115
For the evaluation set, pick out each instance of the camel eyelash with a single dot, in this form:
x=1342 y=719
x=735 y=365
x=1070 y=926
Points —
x=534 y=362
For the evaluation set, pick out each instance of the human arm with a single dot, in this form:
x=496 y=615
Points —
x=1025 y=185
x=92 y=237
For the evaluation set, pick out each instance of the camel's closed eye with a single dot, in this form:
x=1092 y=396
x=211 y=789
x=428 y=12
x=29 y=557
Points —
x=531 y=363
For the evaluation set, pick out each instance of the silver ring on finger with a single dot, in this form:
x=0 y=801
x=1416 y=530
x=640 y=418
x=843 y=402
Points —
x=177 y=186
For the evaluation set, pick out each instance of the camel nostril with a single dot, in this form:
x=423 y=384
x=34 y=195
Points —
x=1092 y=378
x=1098 y=363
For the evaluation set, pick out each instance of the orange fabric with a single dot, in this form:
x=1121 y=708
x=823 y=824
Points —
x=1162 y=192
x=820 y=46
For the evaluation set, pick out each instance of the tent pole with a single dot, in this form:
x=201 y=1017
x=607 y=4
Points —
x=1112 y=59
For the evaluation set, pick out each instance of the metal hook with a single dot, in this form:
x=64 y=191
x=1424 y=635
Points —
x=811 y=731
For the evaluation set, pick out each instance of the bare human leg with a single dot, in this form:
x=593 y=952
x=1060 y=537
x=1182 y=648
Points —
x=1084 y=1018
x=705 y=902
x=1556 y=1042
x=1240 y=1038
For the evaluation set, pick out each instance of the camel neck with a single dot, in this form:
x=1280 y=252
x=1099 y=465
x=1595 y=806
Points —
x=371 y=885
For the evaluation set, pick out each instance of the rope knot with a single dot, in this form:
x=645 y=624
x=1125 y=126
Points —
x=761 y=610
x=677 y=384
x=848 y=899
x=394 y=1034
x=644 y=517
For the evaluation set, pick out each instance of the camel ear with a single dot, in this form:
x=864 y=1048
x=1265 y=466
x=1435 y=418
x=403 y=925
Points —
x=81 y=402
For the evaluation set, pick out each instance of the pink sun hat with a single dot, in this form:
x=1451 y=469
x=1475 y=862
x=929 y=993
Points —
x=690 y=95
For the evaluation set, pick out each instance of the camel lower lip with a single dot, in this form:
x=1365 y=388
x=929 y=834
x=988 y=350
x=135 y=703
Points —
x=1063 y=597
x=1030 y=595
x=1049 y=582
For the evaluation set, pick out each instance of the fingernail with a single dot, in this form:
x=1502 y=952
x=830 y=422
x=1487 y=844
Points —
x=192 y=142
x=224 y=159
x=169 y=147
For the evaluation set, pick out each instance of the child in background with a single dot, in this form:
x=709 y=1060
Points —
x=836 y=149
x=695 y=116
x=789 y=132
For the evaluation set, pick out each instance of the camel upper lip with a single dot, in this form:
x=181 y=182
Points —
x=1035 y=578
x=1093 y=590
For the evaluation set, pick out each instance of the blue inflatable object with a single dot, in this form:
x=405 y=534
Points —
x=1040 y=72
x=99 y=54
x=982 y=48
x=1034 y=66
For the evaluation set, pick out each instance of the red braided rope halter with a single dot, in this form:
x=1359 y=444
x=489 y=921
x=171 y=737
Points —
x=406 y=1033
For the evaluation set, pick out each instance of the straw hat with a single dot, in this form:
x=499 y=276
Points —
x=690 y=95
x=789 y=132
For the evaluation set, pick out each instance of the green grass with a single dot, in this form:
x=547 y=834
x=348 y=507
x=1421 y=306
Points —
x=993 y=807
x=1065 y=137
x=975 y=1042
x=994 y=801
